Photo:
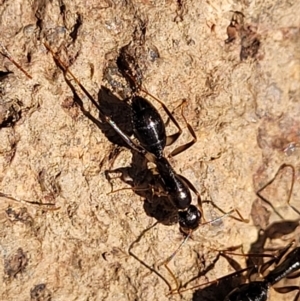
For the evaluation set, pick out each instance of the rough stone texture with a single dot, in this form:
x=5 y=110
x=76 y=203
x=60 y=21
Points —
x=245 y=112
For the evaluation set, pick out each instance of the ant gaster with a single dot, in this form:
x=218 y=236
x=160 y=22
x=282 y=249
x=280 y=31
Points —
x=148 y=126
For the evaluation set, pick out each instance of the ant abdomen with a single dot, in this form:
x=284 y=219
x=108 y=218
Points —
x=148 y=126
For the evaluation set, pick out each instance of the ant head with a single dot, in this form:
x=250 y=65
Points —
x=190 y=218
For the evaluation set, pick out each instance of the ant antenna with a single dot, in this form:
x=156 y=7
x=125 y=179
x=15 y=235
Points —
x=188 y=235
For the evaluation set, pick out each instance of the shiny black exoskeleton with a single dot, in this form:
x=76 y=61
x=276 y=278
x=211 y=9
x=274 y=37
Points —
x=176 y=186
x=253 y=291
x=258 y=290
x=189 y=219
x=178 y=191
x=148 y=126
x=179 y=194
x=149 y=130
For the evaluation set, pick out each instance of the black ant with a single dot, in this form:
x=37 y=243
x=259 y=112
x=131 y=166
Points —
x=149 y=130
x=258 y=290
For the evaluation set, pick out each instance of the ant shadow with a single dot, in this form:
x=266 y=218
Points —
x=138 y=176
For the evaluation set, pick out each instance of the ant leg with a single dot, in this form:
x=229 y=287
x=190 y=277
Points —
x=291 y=187
x=216 y=281
x=6 y=54
x=184 y=147
x=136 y=187
x=127 y=139
x=287 y=289
x=276 y=258
x=240 y=218
x=224 y=253
x=188 y=235
x=253 y=268
x=258 y=193
x=141 y=261
x=192 y=187
x=295 y=275
x=166 y=262
x=4 y=195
